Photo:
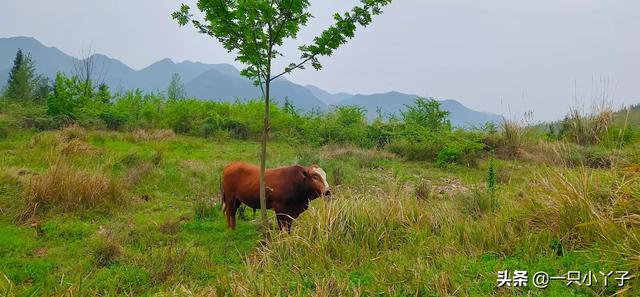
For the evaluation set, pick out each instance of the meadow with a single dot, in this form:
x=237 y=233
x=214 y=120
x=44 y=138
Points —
x=118 y=194
x=111 y=213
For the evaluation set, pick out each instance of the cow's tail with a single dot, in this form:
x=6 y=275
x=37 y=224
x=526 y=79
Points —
x=223 y=205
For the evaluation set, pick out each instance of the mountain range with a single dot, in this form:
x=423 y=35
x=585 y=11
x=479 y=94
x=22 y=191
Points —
x=219 y=82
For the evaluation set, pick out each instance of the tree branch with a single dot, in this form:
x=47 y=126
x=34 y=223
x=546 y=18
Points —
x=289 y=69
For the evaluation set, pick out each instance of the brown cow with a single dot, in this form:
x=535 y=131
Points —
x=288 y=190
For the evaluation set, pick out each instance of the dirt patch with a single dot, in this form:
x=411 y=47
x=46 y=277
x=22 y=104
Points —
x=147 y=135
x=41 y=251
x=450 y=186
x=444 y=187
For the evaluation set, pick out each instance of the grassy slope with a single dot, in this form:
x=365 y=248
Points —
x=374 y=238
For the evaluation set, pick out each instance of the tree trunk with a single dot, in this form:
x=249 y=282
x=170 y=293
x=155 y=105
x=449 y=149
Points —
x=263 y=159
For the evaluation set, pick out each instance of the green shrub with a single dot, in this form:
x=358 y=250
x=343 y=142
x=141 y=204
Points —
x=422 y=150
x=460 y=151
x=113 y=119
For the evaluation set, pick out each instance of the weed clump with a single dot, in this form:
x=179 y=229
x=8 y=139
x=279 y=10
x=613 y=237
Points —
x=72 y=132
x=131 y=159
x=156 y=158
x=205 y=209
x=587 y=128
x=76 y=147
x=337 y=176
x=170 y=227
x=423 y=190
x=106 y=252
x=137 y=173
x=64 y=188
x=515 y=138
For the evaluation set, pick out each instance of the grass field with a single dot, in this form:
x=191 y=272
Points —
x=108 y=213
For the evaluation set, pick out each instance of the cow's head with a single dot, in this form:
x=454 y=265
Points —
x=315 y=179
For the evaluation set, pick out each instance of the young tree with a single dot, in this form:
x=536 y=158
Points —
x=428 y=114
x=255 y=29
x=175 y=91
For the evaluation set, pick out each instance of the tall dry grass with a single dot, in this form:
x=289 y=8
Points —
x=588 y=128
x=65 y=188
x=583 y=206
x=72 y=132
x=380 y=241
x=515 y=135
x=397 y=243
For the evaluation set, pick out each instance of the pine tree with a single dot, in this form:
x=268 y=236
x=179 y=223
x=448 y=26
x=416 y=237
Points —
x=22 y=79
x=103 y=95
x=17 y=63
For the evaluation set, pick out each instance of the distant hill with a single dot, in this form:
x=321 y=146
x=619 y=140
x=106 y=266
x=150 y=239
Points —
x=326 y=97
x=217 y=86
x=395 y=102
x=219 y=82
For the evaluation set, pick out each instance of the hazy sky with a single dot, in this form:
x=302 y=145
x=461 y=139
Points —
x=502 y=56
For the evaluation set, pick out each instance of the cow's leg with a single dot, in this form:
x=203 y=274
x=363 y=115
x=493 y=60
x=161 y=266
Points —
x=228 y=213
x=289 y=215
x=284 y=221
x=281 y=216
x=231 y=215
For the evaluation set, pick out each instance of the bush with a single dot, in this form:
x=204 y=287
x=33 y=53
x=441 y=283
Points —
x=457 y=147
x=422 y=150
x=41 y=123
x=463 y=152
x=113 y=119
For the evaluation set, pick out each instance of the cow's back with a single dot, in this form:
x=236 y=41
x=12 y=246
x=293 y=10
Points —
x=240 y=177
x=242 y=181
